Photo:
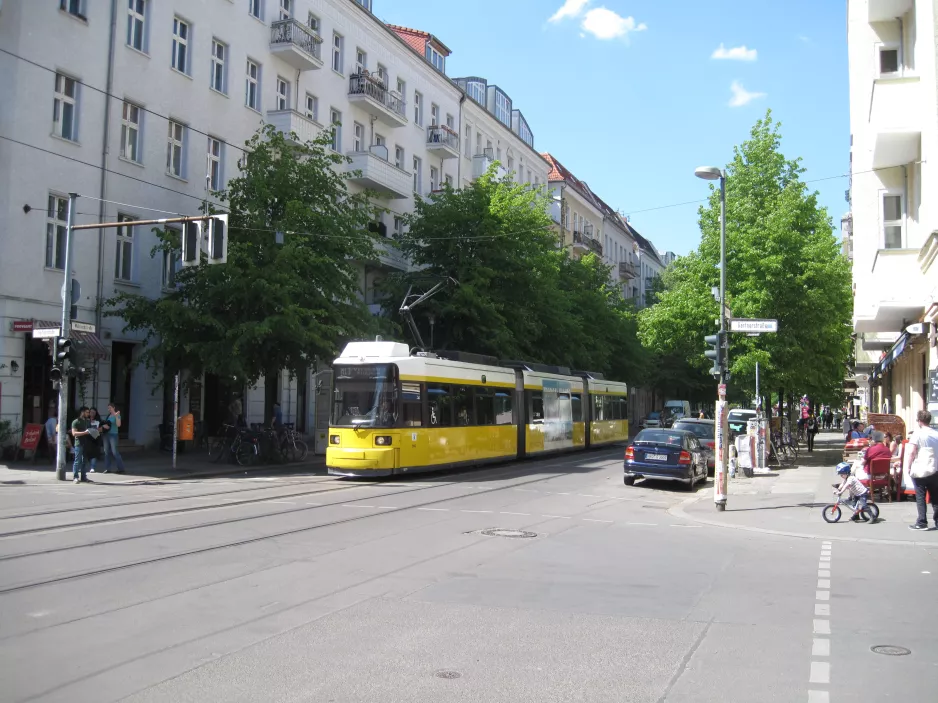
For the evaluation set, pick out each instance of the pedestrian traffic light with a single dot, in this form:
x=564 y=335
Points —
x=192 y=244
x=715 y=341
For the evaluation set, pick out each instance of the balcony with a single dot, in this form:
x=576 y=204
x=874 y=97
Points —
x=894 y=293
x=896 y=119
x=481 y=163
x=371 y=94
x=376 y=173
x=297 y=44
x=442 y=142
x=627 y=270
x=583 y=243
x=888 y=10
x=292 y=122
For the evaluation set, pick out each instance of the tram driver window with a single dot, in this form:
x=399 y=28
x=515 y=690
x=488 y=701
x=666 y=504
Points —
x=537 y=407
x=440 y=401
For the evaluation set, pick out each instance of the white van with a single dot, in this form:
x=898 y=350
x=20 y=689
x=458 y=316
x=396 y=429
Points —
x=678 y=408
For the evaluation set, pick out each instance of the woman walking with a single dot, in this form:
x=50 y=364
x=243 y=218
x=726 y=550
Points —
x=112 y=423
x=811 y=426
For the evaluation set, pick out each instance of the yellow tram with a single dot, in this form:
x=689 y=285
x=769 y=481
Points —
x=395 y=413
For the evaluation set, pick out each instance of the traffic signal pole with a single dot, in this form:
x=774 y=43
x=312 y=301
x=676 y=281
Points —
x=61 y=451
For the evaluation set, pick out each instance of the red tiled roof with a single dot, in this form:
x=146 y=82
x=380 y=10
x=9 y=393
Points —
x=417 y=39
x=558 y=172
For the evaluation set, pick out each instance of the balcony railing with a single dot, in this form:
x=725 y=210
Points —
x=583 y=240
x=373 y=87
x=627 y=269
x=443 y=135
x=293 y=34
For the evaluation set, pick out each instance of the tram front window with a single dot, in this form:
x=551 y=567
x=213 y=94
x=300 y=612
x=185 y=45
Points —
x=365 y=396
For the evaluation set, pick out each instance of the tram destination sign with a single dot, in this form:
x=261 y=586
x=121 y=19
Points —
x=753 y=326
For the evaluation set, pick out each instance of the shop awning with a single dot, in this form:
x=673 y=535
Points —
x=88 y=342
x=890 y=357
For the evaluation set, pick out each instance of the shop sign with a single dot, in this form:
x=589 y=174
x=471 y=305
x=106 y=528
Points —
x=31 y=435
x=23 y=325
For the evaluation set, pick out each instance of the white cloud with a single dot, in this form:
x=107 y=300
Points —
x=737 y=53
x=741 y=96
x=603 y=23
x=570 y=8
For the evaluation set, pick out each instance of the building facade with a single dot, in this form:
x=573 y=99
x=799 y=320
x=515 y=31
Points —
x=143 y=109
x=891 y=232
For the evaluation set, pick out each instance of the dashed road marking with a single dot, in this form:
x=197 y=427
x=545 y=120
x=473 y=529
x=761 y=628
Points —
x=477 y=511
x=818 y=697
x=821 y=647
x=557 y=517
x=820 y=672
x=368 y=507
x=281 y=502
x=522 y=514
x=587 y=519
x=822 y=609
x=824 y=583
x=435 y=510
x=822 y=595
x=823 y=573
x=643 y=524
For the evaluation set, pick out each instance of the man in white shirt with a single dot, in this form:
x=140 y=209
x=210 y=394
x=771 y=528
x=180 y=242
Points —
x=924 y=441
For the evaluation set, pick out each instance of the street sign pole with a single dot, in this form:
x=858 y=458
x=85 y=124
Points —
x=61 y=450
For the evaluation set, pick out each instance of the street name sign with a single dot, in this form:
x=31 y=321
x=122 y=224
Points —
x=50 y=333
x=82 y=327
x=753 y=326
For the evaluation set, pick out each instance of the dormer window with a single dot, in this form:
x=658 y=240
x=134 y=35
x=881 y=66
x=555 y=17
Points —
x=365 y=3
x=436 y=58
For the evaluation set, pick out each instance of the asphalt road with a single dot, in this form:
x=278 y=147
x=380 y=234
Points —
x=306 y=588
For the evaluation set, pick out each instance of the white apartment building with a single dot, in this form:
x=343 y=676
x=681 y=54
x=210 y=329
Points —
x=575 y=211
x=143 y=107
x=650 y=267
x=892 y=229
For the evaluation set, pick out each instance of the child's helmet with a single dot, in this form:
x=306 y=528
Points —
x=844 y=468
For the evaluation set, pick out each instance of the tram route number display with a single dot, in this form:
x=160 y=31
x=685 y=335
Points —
x=362 y=373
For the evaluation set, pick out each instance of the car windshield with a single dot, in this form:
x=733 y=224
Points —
x=659 y=437
x=654 y=416
x=698 y=428
x=365 y=396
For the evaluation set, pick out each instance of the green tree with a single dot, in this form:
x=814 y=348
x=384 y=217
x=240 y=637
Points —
x=271 y=306
x=783 y=262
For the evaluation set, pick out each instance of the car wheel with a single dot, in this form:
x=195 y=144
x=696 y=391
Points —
x=629 y=480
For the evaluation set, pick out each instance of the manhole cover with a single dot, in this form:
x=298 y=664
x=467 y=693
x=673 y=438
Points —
x=447 y=674
x=499 y=532
x=890 y=650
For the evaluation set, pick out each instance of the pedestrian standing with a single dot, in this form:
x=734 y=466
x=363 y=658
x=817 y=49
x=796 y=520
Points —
x=52 y=433
x=111 y=438
x=96 y=443
x=923 y=451
x=811 y=426
x=80 y=434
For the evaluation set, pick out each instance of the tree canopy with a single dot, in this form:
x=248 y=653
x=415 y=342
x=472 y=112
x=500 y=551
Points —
x=783 y=262
x=271 y=306
x=519 y=295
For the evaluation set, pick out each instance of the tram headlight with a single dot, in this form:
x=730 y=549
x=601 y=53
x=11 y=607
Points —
x=333 y=439
x=382 y=441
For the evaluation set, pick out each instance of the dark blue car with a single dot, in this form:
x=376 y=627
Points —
x=670 y=455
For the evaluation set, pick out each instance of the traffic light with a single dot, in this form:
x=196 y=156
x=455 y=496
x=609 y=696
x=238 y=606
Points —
x=63 y=350
x=716 y=352
x=210 y=236
x=218 y=239
x=192 y=244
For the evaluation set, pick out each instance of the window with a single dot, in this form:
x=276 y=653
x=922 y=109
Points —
x=434 y=178
x=892 y=221
x=255 y=9
x=124 y=254
x=175 y=149
x=56 y=224
x=361 y=61
x=252 y=85
x=401 y=88
x=537 y=407
x=214 y=154
x=283 y=94
x=399 y=157
x=219 y=75
x=72 y=7
x=418 y=109
x=359 y=137
x=417 y=176
x=449 y=180
x=411 y=405
x=170 y=266
x=286 y=9
x=462 y=406
x=312 y=21
x=434 y=114
x=380 y=140
x=576 y=407
x=130 y=132
x=436 y=58
x=365 y=3
x=337 y=46
x=450 y=121
x=382 y=75
x=502 y=108
x=136 y=24
x=503 y=407
x=468 y=141
x=888 y=60
x=180 y=60
x=511 y=163
x=440 y=403
x=65 y=108
x=312 y=107
x=476 y=91
x=478 y=143
x=335 y=119
x=485 y=406
x=398 y=226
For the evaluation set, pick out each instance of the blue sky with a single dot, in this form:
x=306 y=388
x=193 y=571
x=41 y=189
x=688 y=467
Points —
x=627 y=94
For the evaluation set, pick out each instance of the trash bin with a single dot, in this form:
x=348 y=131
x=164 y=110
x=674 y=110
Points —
x=186 y=427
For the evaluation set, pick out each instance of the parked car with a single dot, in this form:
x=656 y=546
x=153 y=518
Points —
x=669 y=455
x=706 y=435
x=738 y=419
x=653 y=420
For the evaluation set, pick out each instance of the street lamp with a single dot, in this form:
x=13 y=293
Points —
x=713 y=173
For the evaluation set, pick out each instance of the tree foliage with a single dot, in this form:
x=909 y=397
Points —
x=783 y=262
x=271 y=306
x=518 y=295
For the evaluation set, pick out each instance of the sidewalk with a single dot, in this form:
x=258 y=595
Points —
x=155 y=466
x=789 y=502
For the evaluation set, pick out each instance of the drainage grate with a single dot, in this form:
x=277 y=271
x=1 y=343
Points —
x=447 y=674
x=500 y=532
x=890 y=650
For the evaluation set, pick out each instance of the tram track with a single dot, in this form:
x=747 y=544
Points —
x=254 y=540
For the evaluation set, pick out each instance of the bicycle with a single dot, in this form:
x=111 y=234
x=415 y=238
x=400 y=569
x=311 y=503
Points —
x=867 y=513
x=293 y=448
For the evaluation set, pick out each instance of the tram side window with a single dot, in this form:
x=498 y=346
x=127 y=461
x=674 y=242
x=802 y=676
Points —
x=622 y=409
x=599 y=409
x=485 y=406
x=537 y=407
x=411 y=405
x=440 y=400
x=503 y=408
x=462 y=406
x=576 y=407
